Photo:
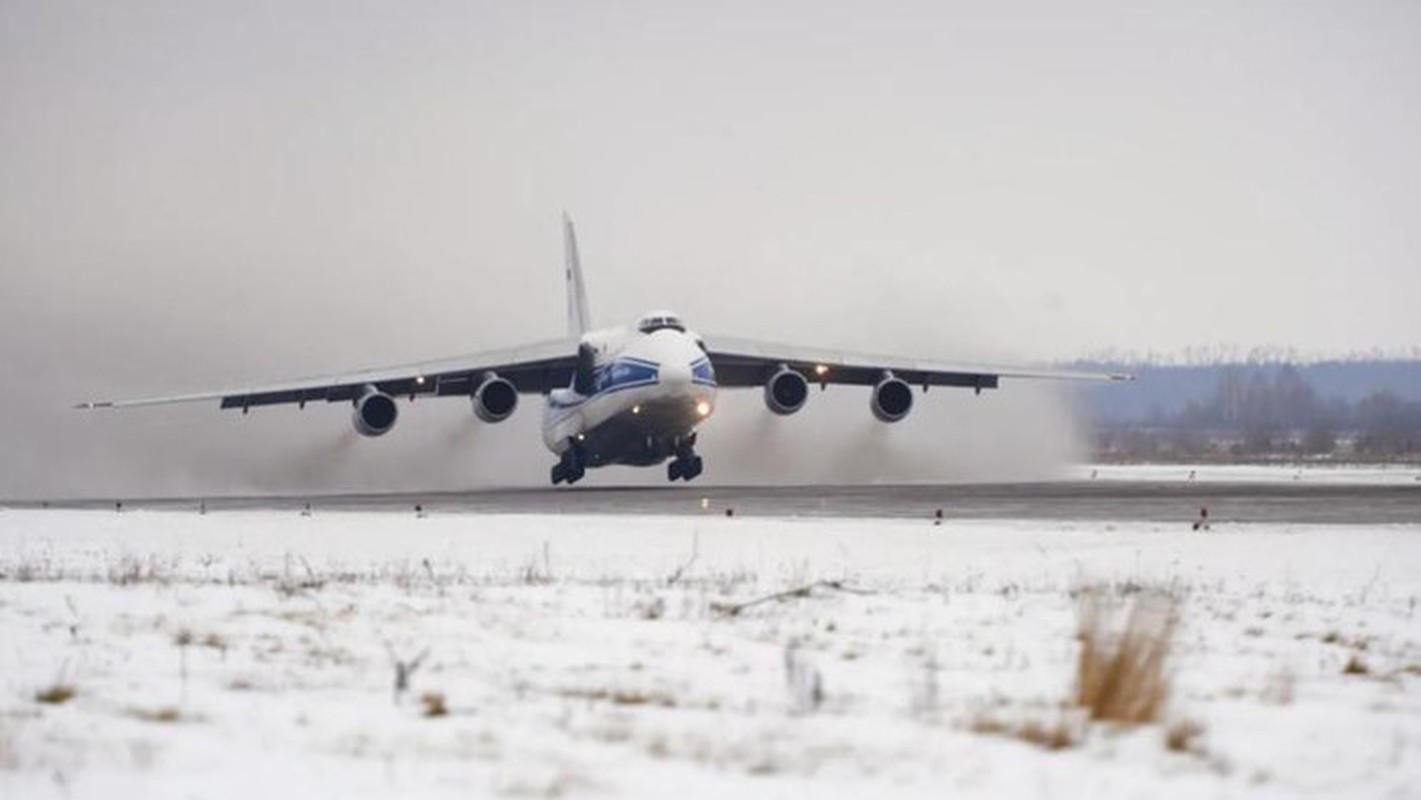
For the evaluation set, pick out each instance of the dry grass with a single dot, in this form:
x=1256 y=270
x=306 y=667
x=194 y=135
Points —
x=131 y=570
x=988 y=725
x=621 y=697
x=1124 y=634
x=434 y=705
x=165 y=714
x=1121 y=671
x=1057 y=735
x=1355 y=666
x=536 y=572
x=1182 y=736
x=57 y=694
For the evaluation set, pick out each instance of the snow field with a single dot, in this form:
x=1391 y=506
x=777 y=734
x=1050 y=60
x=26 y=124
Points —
x=255 y=652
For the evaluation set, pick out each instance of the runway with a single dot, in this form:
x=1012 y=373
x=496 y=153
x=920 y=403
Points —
x=1155 y=501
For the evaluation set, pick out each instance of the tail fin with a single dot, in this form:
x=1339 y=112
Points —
x=578 y=320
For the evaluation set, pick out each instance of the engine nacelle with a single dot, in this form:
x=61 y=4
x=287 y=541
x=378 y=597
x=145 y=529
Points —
x=375 y=413
x=786 y=391
x=585 y=370
x=892 y=399
x=495 y=399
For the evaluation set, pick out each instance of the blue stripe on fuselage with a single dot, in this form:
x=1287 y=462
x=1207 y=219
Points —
x=623 y=373
x=702 y=372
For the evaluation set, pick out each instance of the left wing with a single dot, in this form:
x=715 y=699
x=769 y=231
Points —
x=534 y=368
x=747 y=362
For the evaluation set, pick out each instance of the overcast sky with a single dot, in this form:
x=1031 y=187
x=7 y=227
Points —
x=199 y=194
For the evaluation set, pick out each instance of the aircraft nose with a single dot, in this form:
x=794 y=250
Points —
x=676 y=373
x=674 y=353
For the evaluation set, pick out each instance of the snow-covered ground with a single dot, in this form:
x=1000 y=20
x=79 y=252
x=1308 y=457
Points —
x=254 y=654
x=1302 y=474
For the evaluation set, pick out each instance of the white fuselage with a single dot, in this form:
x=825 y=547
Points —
x=649 y=389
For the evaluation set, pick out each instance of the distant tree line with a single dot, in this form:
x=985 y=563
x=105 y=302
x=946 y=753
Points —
x=1274 y=413
x=1221 y=354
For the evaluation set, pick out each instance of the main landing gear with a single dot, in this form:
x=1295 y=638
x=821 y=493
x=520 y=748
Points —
x=572 y=466
x=686 y=466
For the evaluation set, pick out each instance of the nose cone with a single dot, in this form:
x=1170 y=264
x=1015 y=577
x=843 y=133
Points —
x=675 y=374
x=674 y=353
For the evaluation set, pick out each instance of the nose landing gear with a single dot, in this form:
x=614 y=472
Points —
x=571 y=468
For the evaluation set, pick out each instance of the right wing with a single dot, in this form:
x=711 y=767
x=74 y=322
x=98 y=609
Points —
x=532 y=369
x=742 y=362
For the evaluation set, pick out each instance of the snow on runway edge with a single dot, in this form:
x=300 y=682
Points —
x=233 y=653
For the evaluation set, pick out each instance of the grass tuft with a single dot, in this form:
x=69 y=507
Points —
x=58 y=694
x=621 y=697
x=1182 y=736
x=165 y=714
x=434 y=705
x=1121 y=674
x=1057 y=735
x=1356 y=666
x=131 y=571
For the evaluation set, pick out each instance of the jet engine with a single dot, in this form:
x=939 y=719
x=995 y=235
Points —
x=584 y=372
x=892 y=399
x=375 y=413
x=786 y=391
x=495 y=399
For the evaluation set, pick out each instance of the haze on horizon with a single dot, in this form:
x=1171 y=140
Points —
x=204 y=194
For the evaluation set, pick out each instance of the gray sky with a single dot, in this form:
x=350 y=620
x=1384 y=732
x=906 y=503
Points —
x=200 y=194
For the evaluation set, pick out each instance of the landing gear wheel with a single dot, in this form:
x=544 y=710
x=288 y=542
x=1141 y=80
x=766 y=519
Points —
x=686 y=467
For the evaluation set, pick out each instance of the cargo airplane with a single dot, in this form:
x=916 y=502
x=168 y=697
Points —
x=633 y=395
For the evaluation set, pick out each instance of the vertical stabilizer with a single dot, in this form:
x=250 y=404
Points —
x=578 y=320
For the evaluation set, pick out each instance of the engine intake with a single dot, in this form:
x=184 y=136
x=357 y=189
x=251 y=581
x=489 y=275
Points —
x=495 y=399
x=786 y=391
x=892 y=399
x=375 y=413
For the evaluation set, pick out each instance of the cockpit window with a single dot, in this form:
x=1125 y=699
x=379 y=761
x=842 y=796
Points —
x=659 y=321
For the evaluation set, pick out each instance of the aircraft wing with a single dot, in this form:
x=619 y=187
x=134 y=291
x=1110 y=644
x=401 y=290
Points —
x=534 y=368
x=746 y=362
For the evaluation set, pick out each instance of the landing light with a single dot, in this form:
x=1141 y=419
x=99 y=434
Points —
x=419 y=379
x=703 y=408
x=821 y=370
x=636 y=409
